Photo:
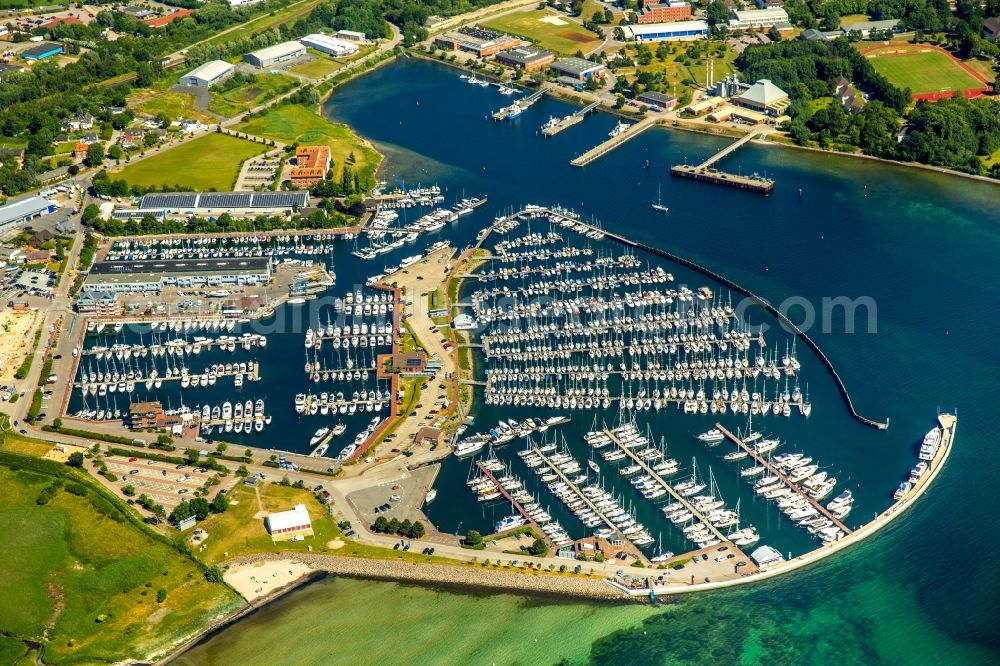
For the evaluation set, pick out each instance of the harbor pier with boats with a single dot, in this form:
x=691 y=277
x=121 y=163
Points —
x=707 y=173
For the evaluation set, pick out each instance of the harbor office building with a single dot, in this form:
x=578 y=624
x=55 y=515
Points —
x=209 y=74
x=526 y=58
x=275 y=55
x=677 y=31
x=152 y=276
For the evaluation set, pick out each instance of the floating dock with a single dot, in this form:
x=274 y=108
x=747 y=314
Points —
x=705 y=173
x=569 y=120
x=520 y=104
x=760 y=460
x=514 y=503
x=670 y=489
x=606 y=147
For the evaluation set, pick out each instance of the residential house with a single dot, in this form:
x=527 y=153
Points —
x=75 y=124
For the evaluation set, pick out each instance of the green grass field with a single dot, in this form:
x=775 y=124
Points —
x=289 y=123
x=924 y=72
x=211 y=162
x=566 y=39
x=243 y=98
x=90 y=580
x=175 y=105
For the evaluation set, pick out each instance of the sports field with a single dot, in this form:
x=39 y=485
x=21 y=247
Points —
x=211 y=162
x=547 y=30
x=921 y=70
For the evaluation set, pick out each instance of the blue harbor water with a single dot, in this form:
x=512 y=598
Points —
x=915 y=248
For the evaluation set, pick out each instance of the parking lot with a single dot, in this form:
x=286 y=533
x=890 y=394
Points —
x=164 y=483
x=399 y=498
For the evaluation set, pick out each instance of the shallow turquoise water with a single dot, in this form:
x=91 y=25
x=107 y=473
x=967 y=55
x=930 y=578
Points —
x=921 y=245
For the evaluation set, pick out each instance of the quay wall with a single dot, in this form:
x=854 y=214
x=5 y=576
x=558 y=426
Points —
x=447 y=574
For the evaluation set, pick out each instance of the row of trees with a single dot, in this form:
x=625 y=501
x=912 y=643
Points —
x=407 y=529
x=199 y=507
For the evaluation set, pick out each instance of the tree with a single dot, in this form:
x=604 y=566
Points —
x=417 y=530
x=75 y=459
x=243 y=471
x=95 y=155
x=221 y=447
x=161 y=596
x=248 y=453
x=115 y=152
x=128 y=491
x=473 y=538
x=393 y=526
x=219 y=503
x=538 y=548
x=381 y=525
x=181 y=512
x=191 y=455
x=213 y=575
x=57 y=423
x=200 y=508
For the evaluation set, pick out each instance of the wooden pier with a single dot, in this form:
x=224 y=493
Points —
x=670 y=490
x=570 y=120
x=513 y=502
x=705 y=173
x=781 y=475
x=606 y=147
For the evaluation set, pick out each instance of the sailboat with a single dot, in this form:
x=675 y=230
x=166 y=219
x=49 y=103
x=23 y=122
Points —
x=659 y=205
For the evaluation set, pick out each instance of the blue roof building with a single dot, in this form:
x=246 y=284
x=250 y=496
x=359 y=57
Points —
x=43 y=50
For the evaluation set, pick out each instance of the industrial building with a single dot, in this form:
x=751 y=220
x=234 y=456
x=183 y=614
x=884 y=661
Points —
x=578 y=68
x=119 y=277
x=864 y=28
x=763 y=97
x=311 y=165
x=477 y=40
x=329 y=45
x=351 y=36
x=207 y=75
x=665 y=12
x=15 y=214
x=666 y=32
x=275 y=55
x=758 y=19
x=657 y=100
x=285 y=525
x=42 y=51
x=527 y=58
x=234 y=203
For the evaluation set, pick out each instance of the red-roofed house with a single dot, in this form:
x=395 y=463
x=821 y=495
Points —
x=161 y=21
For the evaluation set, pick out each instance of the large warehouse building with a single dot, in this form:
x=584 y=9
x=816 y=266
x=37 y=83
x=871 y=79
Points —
x=119 y=277
x=329 y=45
x=234 y=203
x=275 y=55
x=666 y=32
x=13 y=215
x=207 y=75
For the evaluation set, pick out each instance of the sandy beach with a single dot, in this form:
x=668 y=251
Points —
x=15 y=341
x=255 y=580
